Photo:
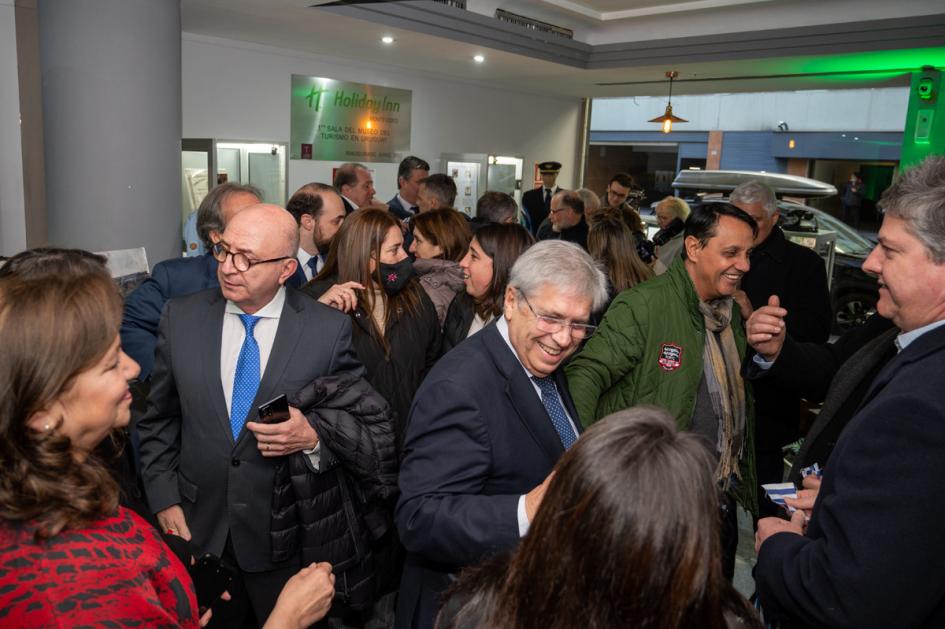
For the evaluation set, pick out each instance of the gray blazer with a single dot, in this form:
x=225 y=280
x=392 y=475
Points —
x=188 y=455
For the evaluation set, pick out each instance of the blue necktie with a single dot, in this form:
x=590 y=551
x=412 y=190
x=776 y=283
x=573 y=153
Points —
x=246 y=381
x=549 y=397
x=312 y=263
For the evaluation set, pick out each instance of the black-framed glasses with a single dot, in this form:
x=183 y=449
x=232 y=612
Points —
x=240 y=261
x=553 y=325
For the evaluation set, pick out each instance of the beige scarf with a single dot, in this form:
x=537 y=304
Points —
x=722 y=368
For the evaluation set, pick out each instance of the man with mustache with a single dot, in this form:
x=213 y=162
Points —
x=677 y=341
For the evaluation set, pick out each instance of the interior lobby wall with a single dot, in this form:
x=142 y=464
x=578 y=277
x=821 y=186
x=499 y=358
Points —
x=240 y=91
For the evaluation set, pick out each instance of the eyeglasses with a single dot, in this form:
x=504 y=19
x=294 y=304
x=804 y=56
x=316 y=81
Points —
x=553 y=325
x=240 y=261
x=618 y=195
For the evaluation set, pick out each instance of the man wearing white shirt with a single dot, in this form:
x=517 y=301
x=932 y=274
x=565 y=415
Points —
x=318 y=210
x=207 y=465
x=355 y=183
x=405 y=203
x=488 y=425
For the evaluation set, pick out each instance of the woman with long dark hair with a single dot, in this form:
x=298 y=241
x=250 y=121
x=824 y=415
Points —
x=626 y=536
x=396 y=333
x=486 y=266
x=440 y=241
x=72 y=555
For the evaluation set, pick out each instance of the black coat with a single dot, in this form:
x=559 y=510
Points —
x=798 y=277
x=459 y=318
x=339 y=513
x=414 y=347
x=874 y=542
x=576 y=234
x=535 y=208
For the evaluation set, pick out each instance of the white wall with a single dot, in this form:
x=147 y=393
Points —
x=880 y=109
x=239 y=90
x=12 y=215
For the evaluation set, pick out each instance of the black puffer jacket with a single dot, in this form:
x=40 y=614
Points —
x=338 y=514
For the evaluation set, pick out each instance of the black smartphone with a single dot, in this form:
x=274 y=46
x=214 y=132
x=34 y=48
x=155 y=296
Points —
x=212 y=576
x=275 y=410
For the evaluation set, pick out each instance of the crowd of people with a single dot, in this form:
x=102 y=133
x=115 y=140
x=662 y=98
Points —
x=373 y=414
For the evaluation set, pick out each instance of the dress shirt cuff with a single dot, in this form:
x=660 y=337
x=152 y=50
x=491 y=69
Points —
x=523 y=522
x=314 y=456
x=763 y=364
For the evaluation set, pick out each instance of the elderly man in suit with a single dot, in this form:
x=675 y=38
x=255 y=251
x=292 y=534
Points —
x=207 y=465
x=489 y=423
x=180 y=276
x=875 y=528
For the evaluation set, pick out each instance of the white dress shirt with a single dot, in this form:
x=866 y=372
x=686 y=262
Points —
x=407 y=205
x=503 y=325
x=304 y=257
x=353 y=204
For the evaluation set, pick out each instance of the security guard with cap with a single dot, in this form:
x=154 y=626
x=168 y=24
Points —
x=537 y=202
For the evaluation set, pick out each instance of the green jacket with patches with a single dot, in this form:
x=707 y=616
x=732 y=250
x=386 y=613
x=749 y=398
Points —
x=649 y=350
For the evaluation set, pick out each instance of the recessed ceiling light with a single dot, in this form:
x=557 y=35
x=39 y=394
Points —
x=387 y=39
x=479 y=58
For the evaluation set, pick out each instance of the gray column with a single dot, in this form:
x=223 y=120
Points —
x=111 y=73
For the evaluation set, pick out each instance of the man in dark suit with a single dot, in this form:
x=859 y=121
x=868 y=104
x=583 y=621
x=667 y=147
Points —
x=179 y=276
x=875 y=528
x=355 y=183
x=566 y=221
x=536 y=203
x=798 y=277
x=409 y=173
x=319 y=212
x=489 y=423
x=207 y=465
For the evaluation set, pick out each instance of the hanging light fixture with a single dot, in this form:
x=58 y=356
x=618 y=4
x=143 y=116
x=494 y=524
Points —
x=667 y=119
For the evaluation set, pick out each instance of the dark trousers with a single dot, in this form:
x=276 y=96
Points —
x=253 y=595
x=728 y=529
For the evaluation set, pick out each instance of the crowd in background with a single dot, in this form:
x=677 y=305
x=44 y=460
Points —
x=536 y=416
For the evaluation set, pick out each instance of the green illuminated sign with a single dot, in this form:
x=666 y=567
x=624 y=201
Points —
x=340 y=121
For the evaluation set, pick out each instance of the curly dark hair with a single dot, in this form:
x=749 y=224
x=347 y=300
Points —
x=60 y=313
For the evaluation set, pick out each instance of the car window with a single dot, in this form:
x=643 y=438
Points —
x=849 y=242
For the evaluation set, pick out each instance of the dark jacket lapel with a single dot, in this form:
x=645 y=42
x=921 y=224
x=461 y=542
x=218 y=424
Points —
x=522 y=394
x=926 y=344
x=211 y=330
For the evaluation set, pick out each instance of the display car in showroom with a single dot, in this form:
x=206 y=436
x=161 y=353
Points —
x=853 y=292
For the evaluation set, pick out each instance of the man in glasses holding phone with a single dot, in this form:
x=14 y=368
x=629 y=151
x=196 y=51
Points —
x=677 y=341
x=488 y=424
x=207 y=464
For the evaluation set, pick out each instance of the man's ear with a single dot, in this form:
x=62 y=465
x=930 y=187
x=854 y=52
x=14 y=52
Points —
x=692 y=248
x=308 y=222
x=288 y=269
x=511 y=300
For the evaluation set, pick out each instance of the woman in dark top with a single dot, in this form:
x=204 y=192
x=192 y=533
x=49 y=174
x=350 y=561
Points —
x=440 y=241
x=396 y=333
x=486 y=266
x=626 y=536
x=72 y=556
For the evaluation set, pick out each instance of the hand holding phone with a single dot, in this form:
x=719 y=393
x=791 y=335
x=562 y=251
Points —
x=275 y=411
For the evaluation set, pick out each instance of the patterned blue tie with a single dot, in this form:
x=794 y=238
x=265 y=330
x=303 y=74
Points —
x=549 y=397
x=246 y=381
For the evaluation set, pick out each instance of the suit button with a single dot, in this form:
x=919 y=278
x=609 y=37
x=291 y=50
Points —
x=235 y=462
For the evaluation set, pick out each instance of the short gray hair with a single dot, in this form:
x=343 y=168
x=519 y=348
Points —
x=561 y=264
x=590 y=198
x=752 y=192
x=210 y=212
x=917 y=196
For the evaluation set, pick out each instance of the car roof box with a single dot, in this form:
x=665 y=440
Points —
x=727 y=180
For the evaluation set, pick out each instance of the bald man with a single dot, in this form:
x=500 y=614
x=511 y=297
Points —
x=207 y=465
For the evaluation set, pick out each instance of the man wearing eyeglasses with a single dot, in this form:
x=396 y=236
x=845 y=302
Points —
x=207 y=464
x=618 y=191
x=677 y=341
x=489 y=423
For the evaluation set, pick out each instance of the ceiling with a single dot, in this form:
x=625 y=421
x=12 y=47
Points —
x=716 y=45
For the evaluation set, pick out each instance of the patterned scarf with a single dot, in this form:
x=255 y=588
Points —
x=722 y=368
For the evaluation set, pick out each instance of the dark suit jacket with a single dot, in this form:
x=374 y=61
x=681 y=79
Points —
x=348 y=207
x=576 y=234
x=478 y=437
x=798 y=277
x=298 y=279
x=397 y=208
x=172 y=278
x=533 y=202
x=874 y=543
x=188 y=455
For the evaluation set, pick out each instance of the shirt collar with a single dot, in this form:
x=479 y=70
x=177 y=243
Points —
x=906 y=338
x=407 y=205
x=352 y=203
x=303 y=257
x=272 y=310
x=503 y=326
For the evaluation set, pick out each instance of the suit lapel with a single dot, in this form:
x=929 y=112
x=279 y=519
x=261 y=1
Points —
x=928 y=343
x=286 y=340
x=521 y=392
x=211 y=330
